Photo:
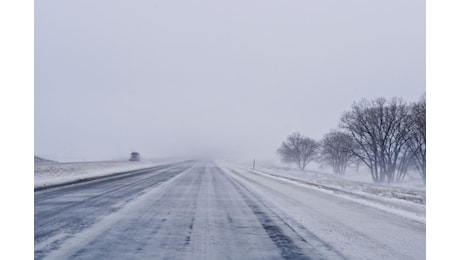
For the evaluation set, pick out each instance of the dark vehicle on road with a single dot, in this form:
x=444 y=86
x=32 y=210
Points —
x=135 y=156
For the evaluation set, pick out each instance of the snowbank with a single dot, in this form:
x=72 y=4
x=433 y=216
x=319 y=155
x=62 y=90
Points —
x=50 y=174
x=412 y=189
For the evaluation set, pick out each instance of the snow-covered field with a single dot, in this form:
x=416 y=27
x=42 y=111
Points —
x=54 y=173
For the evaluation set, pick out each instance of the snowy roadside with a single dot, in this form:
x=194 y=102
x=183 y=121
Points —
x=407 y=200
x=51 y=174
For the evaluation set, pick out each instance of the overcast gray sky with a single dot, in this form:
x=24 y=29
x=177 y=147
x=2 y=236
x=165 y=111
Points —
x=213 y=78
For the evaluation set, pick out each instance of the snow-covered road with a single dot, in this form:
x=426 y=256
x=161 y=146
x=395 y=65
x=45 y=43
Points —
x=204 y=210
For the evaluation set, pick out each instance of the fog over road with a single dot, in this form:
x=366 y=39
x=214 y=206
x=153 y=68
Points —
x=207 y=210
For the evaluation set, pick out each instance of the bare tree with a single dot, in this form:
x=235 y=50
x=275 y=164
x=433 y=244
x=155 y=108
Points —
x=381 y=130
x=298 y=149
x=336 y=151
x=417 y=142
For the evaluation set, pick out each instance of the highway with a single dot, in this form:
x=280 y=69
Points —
x=203 y=210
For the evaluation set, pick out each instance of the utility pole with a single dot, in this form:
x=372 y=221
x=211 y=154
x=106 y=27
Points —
x=254 y=164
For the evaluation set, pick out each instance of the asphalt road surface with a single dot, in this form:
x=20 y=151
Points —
x=198 y=210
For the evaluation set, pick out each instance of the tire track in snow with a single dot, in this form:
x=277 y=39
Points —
x=153 y=220
x=286 y=245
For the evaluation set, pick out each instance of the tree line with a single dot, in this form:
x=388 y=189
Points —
x=388 y=136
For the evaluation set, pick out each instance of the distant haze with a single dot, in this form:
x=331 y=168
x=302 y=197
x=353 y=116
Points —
x=213 y=78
